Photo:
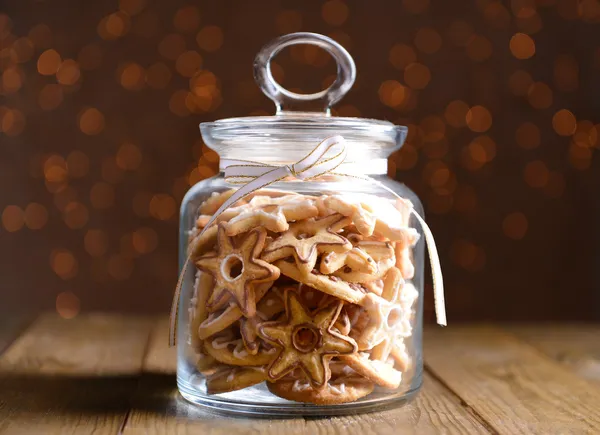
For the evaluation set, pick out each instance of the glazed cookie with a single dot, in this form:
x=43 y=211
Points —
x=342 y=390
x=376 y=371
x=229 y=379
x=329 y=284
x=216 y=322
x=306 y=239
x=198 y=311
x=356 y=259
x=236 y=269
x=274 y=215
x=305 y=341
x=232 y=351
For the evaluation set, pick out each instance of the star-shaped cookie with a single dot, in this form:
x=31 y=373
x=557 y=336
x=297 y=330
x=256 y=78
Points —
x=236 y=269
x=306 y=341
x=305 y=240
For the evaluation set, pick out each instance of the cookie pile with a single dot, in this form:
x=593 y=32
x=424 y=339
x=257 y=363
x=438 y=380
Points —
x=311 y=294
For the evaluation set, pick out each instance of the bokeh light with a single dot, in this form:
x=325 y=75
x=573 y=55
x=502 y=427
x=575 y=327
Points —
x=49 y=62
x=417 y=75
x=428 y=40
x=564 y=122
x=13 y=218
x=210 y=38
x=35 y=216
x=91 y=121
x=187 y=19
x=478 y=119
x=515 y=225
x=335 y=12
x=63 y=263
x=522 y=46
x=67 y=305
x=96 y=242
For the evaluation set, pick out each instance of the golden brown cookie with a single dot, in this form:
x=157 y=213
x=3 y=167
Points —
x=304 y=240
x=216 y=200
x=361 y=216
x=376 y=371
x=234 y=378
x=342 y=390
x=383 y=255
x=202 y=243
x=248 y=331
x=356 y=259
x=198 y=311
x=236 y=269
x=274 y=215
x=218 y=321
x=305 y=340
x=384 y=319
x=232 y=351
x=329 y=284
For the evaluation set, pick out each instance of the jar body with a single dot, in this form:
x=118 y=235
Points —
x=306 y=298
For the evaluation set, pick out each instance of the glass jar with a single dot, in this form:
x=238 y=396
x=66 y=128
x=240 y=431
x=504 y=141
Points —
x=305 y=296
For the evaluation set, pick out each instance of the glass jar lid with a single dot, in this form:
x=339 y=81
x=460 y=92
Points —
x=293 y=130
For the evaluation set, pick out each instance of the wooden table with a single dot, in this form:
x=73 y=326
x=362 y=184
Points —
x=110 y=374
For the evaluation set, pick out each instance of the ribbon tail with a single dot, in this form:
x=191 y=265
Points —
x=436 y=271
x=175 y=304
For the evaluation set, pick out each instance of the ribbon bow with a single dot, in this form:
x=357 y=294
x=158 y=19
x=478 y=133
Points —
x=324 y=158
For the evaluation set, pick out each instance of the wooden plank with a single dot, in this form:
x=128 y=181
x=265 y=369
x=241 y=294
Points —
x=72 y=376
x=10 y=327
x=576 y=346
x=515 y=388
x=159 y=409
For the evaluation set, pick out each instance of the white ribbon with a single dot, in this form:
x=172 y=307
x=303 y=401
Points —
x=325 y=158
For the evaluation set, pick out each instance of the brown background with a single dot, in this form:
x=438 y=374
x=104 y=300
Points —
x=99 y=140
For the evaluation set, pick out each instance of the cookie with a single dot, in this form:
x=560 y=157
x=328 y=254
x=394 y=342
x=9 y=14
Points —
x=329 y=284
x=361 y=216
x=356 y=259
x=202 y=243
x=216 y=200
x=234 y=378
x=206 y=364
x=217 y=322
x=198 y=311
x=305 y=341
x=383 y=255
x=272 y=216
x=248 y=331
x=343 y=390
x=379 y=372
x=304 y=240
x=236 y=269
x=232 y=351
x=384 y=319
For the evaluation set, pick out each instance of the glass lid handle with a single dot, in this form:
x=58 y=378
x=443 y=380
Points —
x=285 y=100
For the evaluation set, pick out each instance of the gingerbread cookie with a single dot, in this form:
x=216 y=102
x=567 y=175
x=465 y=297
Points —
x=376 y=371
x=329 y=284
x=232 y=351
x=216 y=322
x=306 y=239
x=234 y=378
x=273 y=214
x=341 y=390
x=236 y=269
x=306 y=341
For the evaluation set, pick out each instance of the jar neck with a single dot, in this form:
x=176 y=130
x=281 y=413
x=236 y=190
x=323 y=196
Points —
x=368 y=167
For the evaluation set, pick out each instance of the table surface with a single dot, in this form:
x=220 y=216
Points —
x=113 y=374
